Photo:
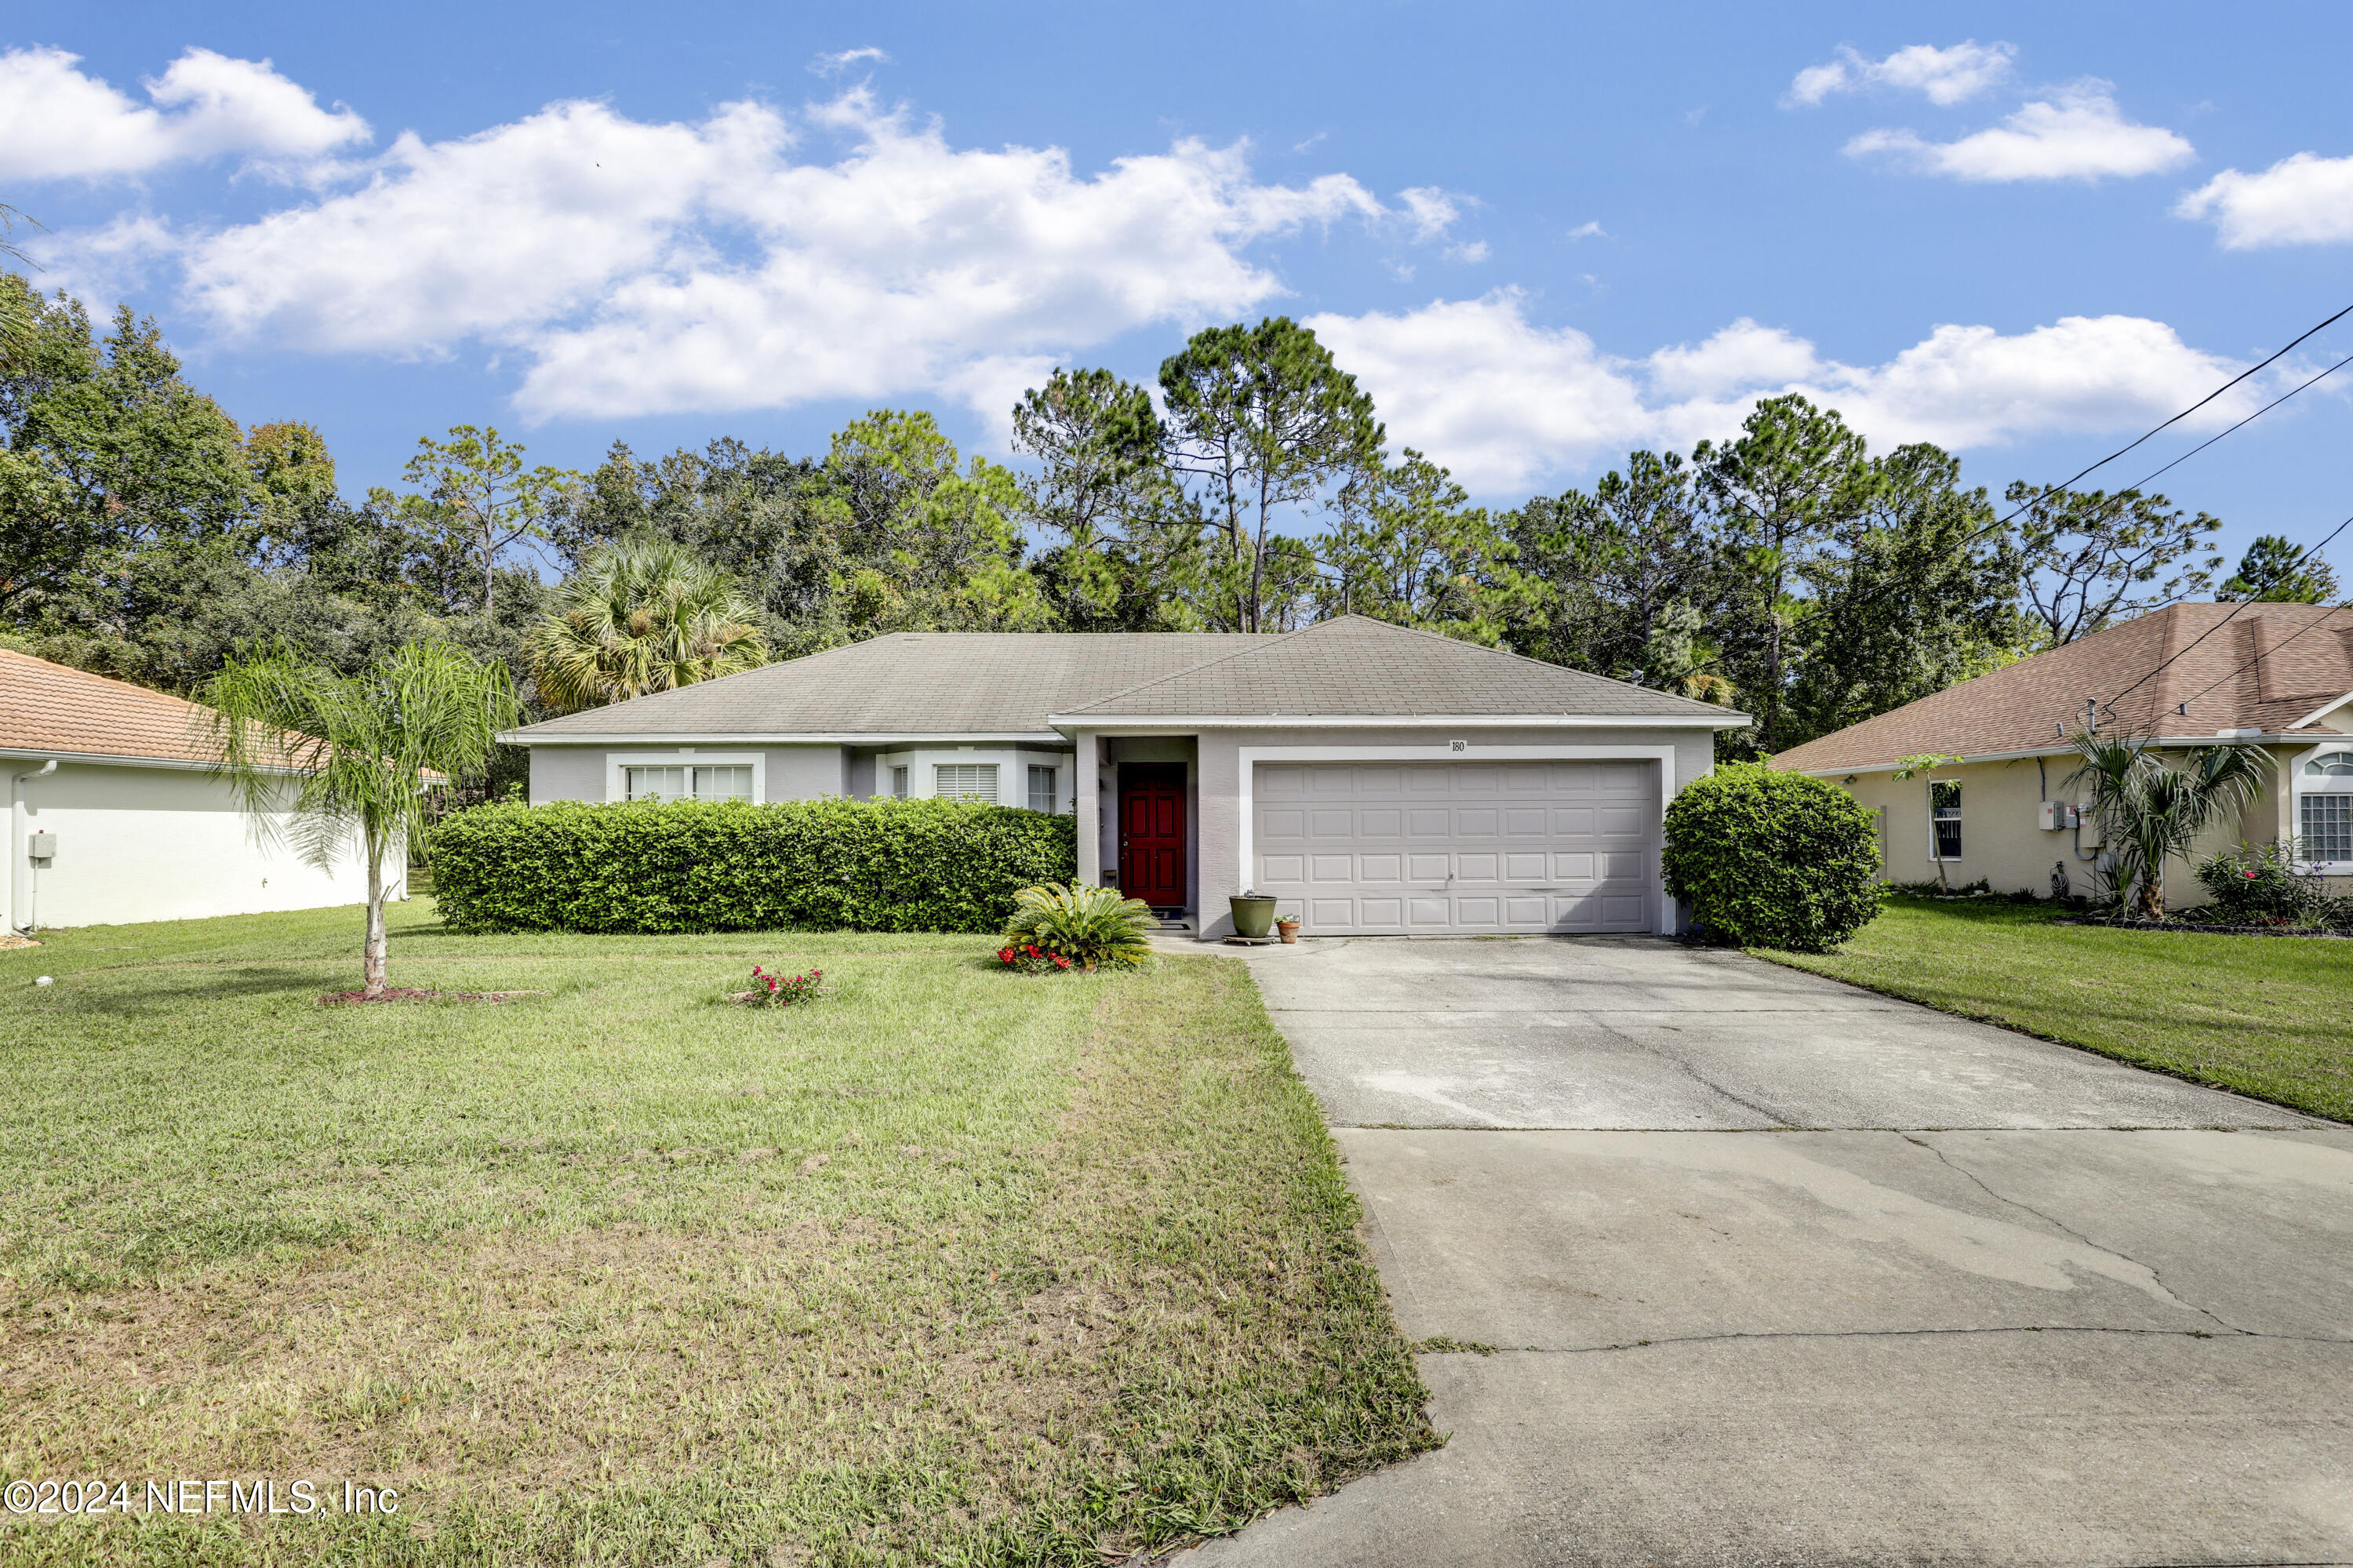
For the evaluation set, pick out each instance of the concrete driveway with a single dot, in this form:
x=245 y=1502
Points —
x=1777 y=1271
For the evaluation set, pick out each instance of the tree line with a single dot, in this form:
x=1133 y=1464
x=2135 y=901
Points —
x=1786 y=569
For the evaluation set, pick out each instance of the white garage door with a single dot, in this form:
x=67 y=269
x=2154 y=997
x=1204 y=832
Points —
x=1382 y=848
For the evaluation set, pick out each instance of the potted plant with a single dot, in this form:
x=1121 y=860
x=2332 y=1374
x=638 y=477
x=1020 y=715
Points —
x=1288 y=929
x=1253 y=914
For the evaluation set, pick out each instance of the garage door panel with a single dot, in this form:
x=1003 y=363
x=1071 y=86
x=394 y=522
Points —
x=1277 y=782
x=1485 y=846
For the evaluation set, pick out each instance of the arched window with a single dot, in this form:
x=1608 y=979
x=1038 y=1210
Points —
x=2325 y=807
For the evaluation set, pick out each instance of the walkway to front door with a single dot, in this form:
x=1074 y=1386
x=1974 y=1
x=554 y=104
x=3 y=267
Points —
x=1151 y=833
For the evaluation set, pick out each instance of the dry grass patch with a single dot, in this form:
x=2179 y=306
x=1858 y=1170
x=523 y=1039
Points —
x=945 y=1268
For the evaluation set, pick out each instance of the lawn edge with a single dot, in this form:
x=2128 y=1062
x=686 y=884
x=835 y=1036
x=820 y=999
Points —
x=1788 y=960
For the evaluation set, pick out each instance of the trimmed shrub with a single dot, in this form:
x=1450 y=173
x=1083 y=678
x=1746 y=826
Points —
x=1772 y=859
x=686 y=865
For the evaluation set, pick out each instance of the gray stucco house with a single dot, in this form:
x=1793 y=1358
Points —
x=1377 y=781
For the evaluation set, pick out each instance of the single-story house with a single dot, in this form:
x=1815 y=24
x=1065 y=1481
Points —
x=1374 y=779
x=2279 y=677
x=112 y=816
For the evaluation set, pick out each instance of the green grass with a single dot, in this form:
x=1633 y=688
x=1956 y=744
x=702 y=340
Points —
x=2267 y=1016
x=949 y=1267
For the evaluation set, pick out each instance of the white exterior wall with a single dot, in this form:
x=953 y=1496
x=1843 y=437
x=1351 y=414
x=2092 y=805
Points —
x=157 y=843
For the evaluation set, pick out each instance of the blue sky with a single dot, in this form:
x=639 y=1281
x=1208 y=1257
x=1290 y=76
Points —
x=1540 y=234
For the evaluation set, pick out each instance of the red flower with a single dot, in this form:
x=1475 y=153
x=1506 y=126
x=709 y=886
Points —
x=1062 y=962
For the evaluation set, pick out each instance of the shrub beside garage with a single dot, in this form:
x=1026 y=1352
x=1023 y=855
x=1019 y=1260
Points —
x=1773 y=859
x=680 y=866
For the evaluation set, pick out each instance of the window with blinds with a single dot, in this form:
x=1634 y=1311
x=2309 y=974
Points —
x=689 y=781
x=899 y=783
x=1041 y=788
x=965 y=781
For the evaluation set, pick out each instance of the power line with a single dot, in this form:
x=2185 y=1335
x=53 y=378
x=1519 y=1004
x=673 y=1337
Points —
x=2313 y=554
x=2258 y=414
x=2185 y=413
x=2309 y=626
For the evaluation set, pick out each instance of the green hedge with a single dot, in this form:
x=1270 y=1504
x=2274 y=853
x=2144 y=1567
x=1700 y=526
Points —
x=1771 y=859
x=831 y=865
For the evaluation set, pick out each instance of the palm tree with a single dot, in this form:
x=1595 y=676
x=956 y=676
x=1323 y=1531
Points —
x=2154 y=813
x=355 y=753
x=644 y=615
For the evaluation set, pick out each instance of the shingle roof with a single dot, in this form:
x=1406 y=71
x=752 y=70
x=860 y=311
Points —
x=2235 y=666
x=1353 y=666
x=911 y=682
x=56 y=709
x=950 y=683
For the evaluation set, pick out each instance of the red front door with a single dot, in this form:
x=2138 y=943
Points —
x=1152 y=834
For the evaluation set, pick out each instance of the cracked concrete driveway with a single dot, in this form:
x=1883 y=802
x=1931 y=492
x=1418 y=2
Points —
x=1777 y=1271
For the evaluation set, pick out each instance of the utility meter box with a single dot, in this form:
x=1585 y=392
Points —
x=2057 y=815
x=42 y=846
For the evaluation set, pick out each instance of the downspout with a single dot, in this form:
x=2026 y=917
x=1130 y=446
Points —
x=21 y=909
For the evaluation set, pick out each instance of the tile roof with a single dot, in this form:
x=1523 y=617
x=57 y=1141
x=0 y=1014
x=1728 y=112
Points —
x=911 y=682
x=56 y=709
x=1353 y=666
x=2234 y=666
x=958 y=683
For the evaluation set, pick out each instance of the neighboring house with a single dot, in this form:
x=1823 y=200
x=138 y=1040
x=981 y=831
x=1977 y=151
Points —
x=112 y=817
x=2277 y=675
x=1374 y=780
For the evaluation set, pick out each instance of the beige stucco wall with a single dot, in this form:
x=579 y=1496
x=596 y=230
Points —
x=2002 y=843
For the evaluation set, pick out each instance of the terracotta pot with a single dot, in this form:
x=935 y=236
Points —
x=1287 y=929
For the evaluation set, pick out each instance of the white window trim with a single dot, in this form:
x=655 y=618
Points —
x=2297 y=791
x=1663 y=908
x=616 y=786
x=1934 y=858
x=997 y=769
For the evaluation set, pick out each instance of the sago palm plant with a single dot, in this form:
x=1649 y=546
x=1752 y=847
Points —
x=1089 y=927
x=644 y=615
x=2151 y=812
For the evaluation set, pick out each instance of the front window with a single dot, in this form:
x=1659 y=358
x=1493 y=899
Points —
x=965 y=781
x=1041 y=788
x=2328 y=828
x=1945 y=819
x=899 y=783
x=688 y=781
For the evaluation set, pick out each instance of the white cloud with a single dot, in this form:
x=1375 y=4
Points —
x=2081 y=136
x=1945 y=76
x=641 y=269
x=58 y=123
x=2304 y=199
x=1505 y=402
x=1430 y=210
x=1591 y=229
x=1470 y=254
x=835 y=64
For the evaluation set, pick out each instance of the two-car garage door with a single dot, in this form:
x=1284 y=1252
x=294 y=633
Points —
x=1387 y=848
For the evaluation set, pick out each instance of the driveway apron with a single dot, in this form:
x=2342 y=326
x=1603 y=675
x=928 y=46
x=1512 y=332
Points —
x=1766 y=1269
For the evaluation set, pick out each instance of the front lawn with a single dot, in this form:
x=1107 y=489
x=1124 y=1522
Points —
x=2267 y=1016
x=951 y=1266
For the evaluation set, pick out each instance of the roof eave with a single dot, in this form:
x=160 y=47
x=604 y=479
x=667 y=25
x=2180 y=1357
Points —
x=2250 y=738
x=1067 y=723
x=528 y=736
